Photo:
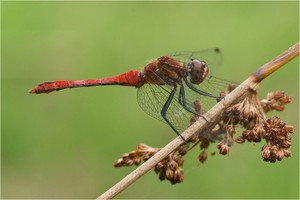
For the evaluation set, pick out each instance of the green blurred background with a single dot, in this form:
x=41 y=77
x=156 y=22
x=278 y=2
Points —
x=63 y=145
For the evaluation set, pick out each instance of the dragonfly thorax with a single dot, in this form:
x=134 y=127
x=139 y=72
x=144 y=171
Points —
x=198 y=70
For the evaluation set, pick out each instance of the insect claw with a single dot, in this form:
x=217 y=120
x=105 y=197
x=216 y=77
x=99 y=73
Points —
x=205 y=118
x=185 y=141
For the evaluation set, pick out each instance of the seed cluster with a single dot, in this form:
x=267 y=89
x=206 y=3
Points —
x=248 y=113
x=142 y=152
x=278 y=138
x=275 y=101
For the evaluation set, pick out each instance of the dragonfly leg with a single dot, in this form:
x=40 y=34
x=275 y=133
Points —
x=182 y=101
x=165 y=109
x=205 y=118
x=198 y=91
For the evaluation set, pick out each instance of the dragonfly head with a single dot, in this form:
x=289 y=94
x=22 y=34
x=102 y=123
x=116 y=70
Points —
x=198 y=70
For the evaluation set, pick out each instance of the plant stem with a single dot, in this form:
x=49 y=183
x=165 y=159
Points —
x=276 y=63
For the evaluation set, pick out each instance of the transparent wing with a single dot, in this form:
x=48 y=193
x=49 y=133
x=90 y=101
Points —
x=213 y=56
x=152 y=99
x=215 y=85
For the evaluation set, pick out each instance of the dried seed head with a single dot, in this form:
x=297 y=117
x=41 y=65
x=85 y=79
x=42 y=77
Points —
x=178 y=175
x=275 y=101
x=169 y=168
x=142 y=152
x=183 y=149
x=239 y=139
x=287 y=152
x=204 y=143
x=202 y=156
x=230 y=88
x=253 y=135
x=198 y=110
x=247 y=112
x=198 y=107
x=179 y=160
x=278 y=138
x=223 y=148
x=136 y=160
x=172 y=164
x=193 y=139
x=118 y=163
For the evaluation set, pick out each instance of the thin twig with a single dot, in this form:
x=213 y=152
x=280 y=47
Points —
x=203 y=122
x=277 y=62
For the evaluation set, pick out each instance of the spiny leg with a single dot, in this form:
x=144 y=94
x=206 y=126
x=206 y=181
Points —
x=165 y=109
x=191 y=86
x=197 y=90
x=182 y=100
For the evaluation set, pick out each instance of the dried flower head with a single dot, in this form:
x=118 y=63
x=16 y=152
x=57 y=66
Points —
x=202 y=156
x=278 y=138
x=142 y=152
x=248 y=113
x=170 y=169
x=275 y=101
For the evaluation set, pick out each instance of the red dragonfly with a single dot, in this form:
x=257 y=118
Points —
x=167 y=86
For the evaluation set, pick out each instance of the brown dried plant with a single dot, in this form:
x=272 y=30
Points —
x=248 y=113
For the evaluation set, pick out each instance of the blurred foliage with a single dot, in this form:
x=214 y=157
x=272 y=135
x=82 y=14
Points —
x=62 y=145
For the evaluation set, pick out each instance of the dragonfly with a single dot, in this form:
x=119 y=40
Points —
x=167 y=87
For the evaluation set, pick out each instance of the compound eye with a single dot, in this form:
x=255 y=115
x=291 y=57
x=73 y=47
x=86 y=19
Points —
x=197 y=71
x=198 y=63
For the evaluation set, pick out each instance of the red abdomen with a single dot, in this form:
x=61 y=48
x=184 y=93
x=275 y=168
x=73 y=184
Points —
x=131 y=78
